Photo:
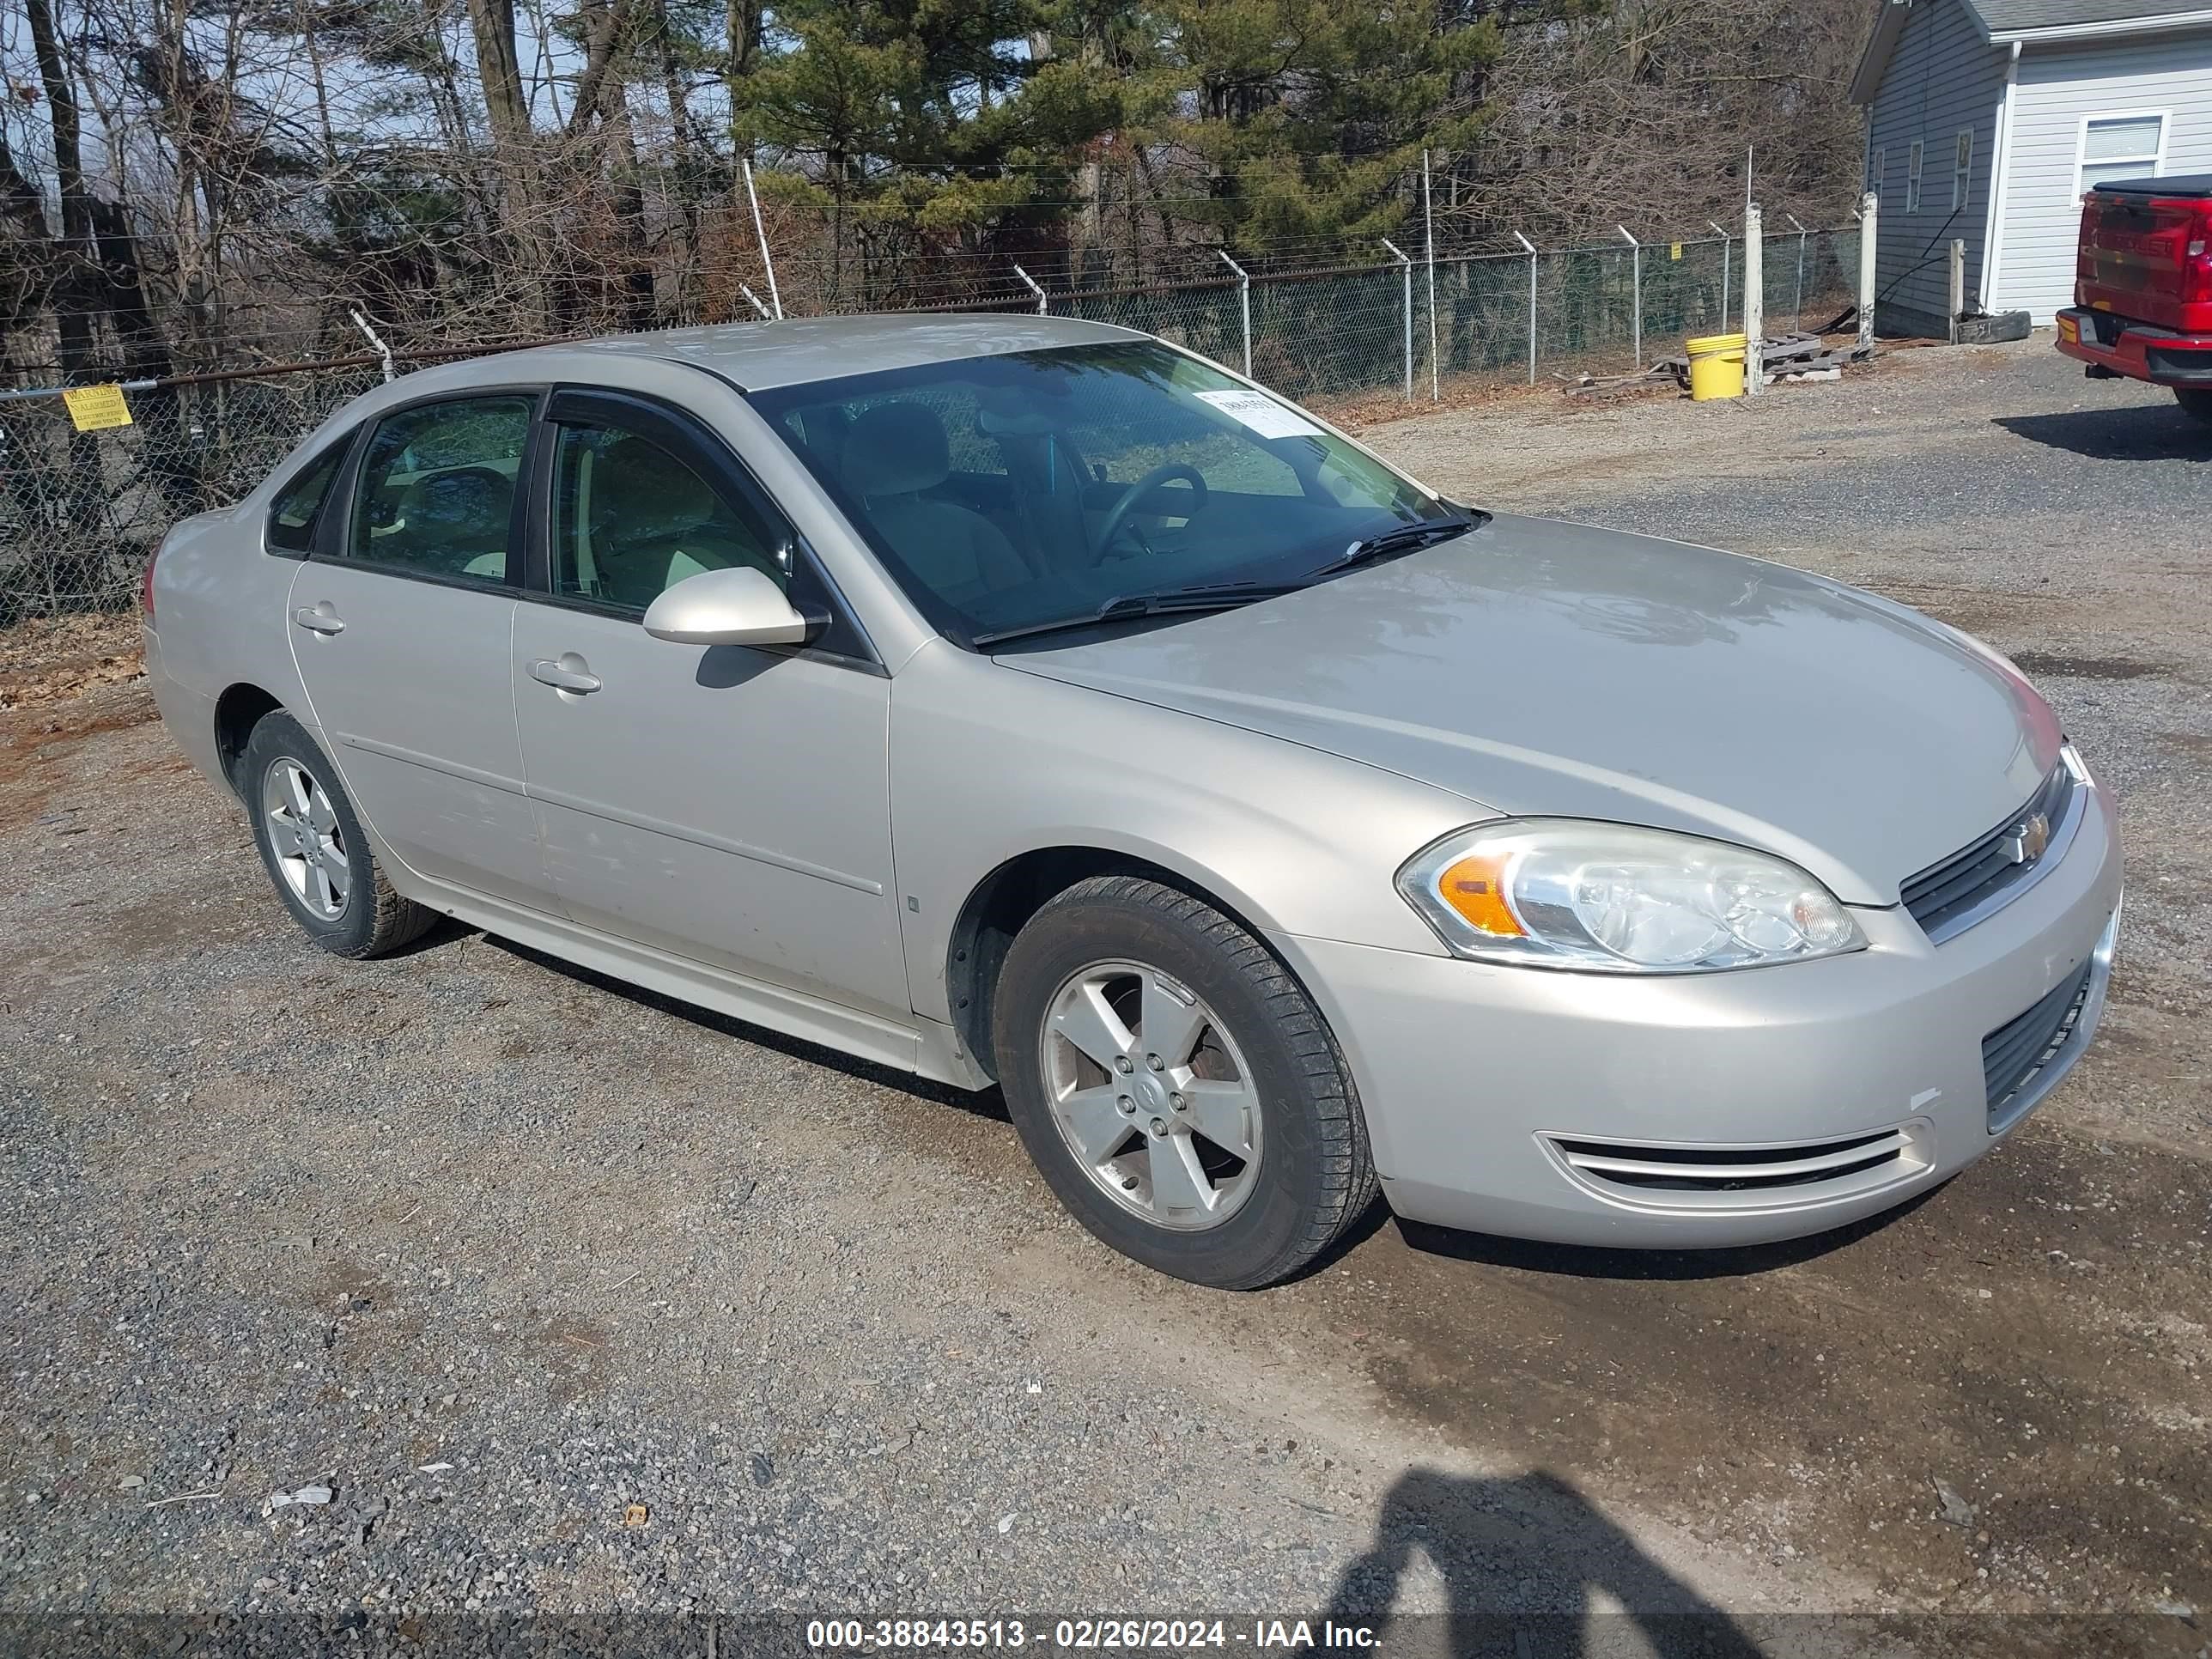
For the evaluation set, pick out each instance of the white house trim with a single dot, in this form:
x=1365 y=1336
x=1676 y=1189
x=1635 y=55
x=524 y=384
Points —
x=2059 y=34
x=2157 y=165
x=1866 y=80
x=2000 y=178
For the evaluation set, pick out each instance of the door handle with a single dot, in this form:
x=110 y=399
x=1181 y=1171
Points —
x=319 y=620
x=563 y=677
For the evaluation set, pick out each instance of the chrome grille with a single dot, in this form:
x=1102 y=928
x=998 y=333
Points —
x=1944 y=897
x=2020 y=1051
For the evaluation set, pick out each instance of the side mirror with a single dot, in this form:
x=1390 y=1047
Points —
x=737 y=606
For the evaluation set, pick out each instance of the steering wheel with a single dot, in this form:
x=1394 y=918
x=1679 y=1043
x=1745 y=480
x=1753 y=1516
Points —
x=1138 y=491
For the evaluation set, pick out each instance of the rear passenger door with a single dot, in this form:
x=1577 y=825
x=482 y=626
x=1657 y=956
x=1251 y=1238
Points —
x=400 y=621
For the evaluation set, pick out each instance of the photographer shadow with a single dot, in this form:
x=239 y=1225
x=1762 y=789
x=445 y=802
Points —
x=1521 y=1559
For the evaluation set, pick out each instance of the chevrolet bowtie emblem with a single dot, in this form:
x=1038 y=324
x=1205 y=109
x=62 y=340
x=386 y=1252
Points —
x=2027 y=839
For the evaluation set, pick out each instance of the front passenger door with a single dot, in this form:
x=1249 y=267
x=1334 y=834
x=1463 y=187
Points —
x=724 y=804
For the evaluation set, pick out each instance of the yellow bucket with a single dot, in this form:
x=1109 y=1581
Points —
x=1715 y=366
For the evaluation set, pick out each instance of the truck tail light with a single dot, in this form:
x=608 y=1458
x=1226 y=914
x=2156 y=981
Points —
x=146 y=587
x=2196 y=271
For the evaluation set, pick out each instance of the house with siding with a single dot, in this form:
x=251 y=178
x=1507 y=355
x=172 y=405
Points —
x=1987 y=118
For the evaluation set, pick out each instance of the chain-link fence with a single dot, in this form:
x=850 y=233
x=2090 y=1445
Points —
x=1557 y=314
x=80 y=512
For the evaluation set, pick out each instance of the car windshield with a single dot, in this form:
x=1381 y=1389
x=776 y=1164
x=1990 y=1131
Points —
x=1012 y=494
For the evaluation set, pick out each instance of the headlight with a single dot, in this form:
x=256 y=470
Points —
x=1563 y=893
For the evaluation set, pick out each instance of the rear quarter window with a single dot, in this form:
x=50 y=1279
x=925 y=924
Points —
x=292 y=515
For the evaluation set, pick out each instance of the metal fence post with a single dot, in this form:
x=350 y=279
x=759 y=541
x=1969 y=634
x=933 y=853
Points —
x=1243 y=306
x=1754 y=295
x=1531 y=247
x=1956 y=304
x=1033 y=287
x=761 y=232
x=1797 y=316
x=1429 y=223
x=1869 y=214
x=1636 y=278
x=1406 y=267
x=1728 y=248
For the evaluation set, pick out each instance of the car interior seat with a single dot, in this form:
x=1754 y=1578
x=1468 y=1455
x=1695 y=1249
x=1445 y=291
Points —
x=457 y=520
x=654 y=523
x=894 y=454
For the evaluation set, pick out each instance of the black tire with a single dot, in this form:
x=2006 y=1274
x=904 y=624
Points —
x=374 y=918
x=2194 y=400
x=1315 y=1176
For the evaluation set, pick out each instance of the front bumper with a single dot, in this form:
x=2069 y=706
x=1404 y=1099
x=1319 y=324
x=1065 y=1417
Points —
x=1551 y=1105
x=2137 y=350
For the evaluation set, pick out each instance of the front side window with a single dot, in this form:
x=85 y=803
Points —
x=631 y=520
x=2116 y=147
x=1017 y=491
x=1962 y=170
x=436 y=495
x=292 y=515
x=1913 y=178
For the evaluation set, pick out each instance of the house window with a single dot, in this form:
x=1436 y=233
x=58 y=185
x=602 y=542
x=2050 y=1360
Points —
x=1913 y=178
x=1962 y=171
x=2130 y=146
x=1881 y=166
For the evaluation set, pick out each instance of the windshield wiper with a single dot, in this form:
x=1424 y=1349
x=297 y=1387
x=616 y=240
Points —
x=1404 y=539
x=1167 y=601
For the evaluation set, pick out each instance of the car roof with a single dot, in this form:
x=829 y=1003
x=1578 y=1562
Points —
x=759 y=356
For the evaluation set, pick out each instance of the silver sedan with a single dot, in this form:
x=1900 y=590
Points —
x=1031 y=703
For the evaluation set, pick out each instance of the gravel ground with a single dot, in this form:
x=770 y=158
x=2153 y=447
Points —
x=576 y=1299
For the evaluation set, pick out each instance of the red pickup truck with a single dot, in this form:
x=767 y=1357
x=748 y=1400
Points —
x=2143 y=286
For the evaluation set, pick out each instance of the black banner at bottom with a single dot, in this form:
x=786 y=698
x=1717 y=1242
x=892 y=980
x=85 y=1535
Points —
x=1466 y=1635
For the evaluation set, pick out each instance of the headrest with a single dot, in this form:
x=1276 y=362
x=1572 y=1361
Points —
x=895 y=449
x=641 y=490
x=473 y=500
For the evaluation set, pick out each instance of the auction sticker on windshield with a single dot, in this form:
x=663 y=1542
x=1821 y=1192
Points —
x=1262 y=413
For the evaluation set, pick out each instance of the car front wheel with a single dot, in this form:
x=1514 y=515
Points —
x=1175 y=1086
x=312 y=843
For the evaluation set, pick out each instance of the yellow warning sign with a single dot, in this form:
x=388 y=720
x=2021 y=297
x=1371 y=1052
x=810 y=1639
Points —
x=1674 y=250
x=96 y=408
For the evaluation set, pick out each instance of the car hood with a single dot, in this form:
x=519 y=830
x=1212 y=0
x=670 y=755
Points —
x=1539 y=667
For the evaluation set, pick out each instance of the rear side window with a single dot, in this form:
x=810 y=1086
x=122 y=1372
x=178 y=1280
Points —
x=292 y=515
x=436 y=495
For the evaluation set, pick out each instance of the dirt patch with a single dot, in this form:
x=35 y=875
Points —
x=45 y=660
x=2085 y=668
x=37 y=743
x=1356 y=412
x=2013 y=1337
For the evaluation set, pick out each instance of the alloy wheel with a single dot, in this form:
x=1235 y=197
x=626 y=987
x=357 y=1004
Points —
x=307 y=840
x=1150 y=1095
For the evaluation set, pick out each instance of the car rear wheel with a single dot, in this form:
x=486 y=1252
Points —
x=1177 y=1088
x=313 y=846
x=2194 y=400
